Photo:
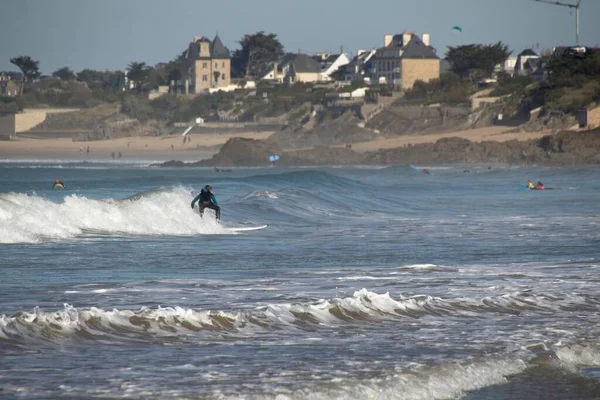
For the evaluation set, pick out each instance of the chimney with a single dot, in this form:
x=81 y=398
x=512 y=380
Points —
x=425 y=38
x=406 y=36
x=341 y=49
x=360 y=51
x=387 y=39
x=275 y=66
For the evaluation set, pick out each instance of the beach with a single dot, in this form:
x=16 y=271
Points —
x=203 y=146
x=162 y=148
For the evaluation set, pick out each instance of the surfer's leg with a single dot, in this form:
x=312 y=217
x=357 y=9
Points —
x=216 y=208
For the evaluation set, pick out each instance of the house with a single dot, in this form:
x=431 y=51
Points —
x=330 y=63
x=207 y=65
x=404 y=59
x=8 y=86
x=525 y=61
x=293 y=68
x=357 y=69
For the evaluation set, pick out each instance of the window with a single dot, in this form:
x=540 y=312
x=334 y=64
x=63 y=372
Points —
x=204 y=78
x=223 y=64
x=223 y=76
x=204 y=65
x=216 y=65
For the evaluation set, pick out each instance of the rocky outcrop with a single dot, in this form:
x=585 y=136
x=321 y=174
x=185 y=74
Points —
x=565 y=148
x=238 y=152
x=329 y=129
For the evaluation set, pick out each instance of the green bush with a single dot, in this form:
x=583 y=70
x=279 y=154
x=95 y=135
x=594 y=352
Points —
x=137 y=107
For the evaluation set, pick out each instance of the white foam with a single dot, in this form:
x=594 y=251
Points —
x=420 y=267
x=444 y=381
x=30 y=218
x=579 y=355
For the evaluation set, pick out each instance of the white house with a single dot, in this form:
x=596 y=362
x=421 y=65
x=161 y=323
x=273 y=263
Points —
x=356 y=69
x=330 y=63
x=293 y=68
x=525 y=62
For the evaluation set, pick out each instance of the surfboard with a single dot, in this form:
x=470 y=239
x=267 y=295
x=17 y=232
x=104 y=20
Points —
x=246 y=228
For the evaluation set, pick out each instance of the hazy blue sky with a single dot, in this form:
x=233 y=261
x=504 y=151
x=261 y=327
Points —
x=108 y=34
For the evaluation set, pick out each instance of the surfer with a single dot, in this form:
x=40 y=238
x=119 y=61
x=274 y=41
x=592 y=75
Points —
x=530 y=184
x=58 y=184
x=206 y=199
x=539 y=186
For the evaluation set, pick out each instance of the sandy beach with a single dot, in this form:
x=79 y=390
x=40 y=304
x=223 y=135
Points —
x=151 y=148
x=202 y=146
x=492 y=133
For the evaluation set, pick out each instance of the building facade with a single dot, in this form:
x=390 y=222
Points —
x=404 y=59
x=207 y=66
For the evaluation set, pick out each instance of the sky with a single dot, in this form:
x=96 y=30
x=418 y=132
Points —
x=109 y=34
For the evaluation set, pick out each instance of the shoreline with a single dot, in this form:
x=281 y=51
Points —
x=154 y=148
x=200 y=148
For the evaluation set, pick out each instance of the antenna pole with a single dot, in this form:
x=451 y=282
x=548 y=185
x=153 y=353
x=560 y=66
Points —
x=577 y=23
x=570 y=6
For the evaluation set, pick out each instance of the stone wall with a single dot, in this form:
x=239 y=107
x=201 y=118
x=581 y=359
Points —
x=7 y=127
x=419 y=69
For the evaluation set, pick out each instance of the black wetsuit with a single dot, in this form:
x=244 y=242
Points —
x=207 y=200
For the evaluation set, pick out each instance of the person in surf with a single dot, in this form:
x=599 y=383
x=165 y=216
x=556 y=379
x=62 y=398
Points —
x=539 y=186
x=206 y=199
x=530 y=184
x=58 y=184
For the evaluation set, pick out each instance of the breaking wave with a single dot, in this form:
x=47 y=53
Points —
x=362 y=306
x=30 y=218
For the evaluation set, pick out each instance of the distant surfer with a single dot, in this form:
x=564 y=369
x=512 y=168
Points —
x=58 y=184
x=539 y=186
x=530 y=184
x=206 y=199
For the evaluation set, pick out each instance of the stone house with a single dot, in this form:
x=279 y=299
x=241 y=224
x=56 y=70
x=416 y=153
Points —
x=404 y=59
x=207 y=65
x=293 y=68
x=8 y=86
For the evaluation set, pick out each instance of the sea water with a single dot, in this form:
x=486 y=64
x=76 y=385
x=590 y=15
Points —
x=369 y=283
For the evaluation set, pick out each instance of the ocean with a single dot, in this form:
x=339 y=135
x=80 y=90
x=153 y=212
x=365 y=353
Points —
x=369 y=283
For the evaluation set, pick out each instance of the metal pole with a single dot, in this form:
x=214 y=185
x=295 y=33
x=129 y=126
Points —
x=577 y=23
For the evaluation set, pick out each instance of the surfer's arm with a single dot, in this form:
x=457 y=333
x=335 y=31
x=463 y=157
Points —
x=195 y=200
x=213 y=199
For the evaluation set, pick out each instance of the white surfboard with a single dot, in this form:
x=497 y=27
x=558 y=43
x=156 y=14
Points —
x=246 y=228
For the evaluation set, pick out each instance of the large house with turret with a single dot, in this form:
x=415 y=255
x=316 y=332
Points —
x=207 y=65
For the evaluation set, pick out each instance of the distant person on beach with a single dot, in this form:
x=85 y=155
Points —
x=58 y=184
x=530 y=184
x=206 y=199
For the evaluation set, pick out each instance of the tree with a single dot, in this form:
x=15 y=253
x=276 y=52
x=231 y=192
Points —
x=570 y=66
x=29 y=68
x=257 y=51
x=481 y=59
x=138 y=72
x=64 y=74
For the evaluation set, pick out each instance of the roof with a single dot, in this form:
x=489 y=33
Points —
x=417 y=49
x=528 y=52
x=218 y=50
x=304 y=64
